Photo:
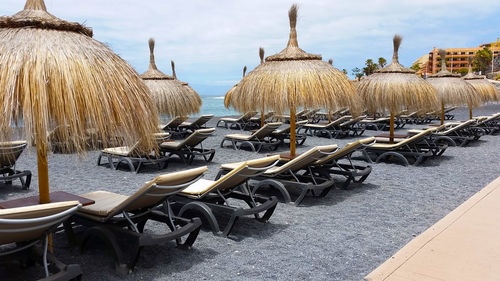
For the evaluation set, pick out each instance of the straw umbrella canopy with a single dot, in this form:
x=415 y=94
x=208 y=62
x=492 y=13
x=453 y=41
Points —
x=452 y=89
x=171 y=96
x=395 y=88
x=54 y=74
x=227 y=97
x=485 y=88
x=293 y=79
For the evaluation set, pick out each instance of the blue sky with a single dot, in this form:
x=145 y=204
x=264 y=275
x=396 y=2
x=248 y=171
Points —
x=211 y=41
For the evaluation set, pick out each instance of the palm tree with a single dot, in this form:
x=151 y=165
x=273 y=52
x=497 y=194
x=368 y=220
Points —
x=382 y=62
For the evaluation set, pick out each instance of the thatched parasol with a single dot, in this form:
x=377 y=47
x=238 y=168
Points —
x=293 y=79
x=53 y=73
x=451 y=89
x=171 y=96
x=395 y=88
x=485 y=88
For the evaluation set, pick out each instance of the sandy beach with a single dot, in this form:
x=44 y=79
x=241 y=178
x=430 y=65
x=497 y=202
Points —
x=342 y=236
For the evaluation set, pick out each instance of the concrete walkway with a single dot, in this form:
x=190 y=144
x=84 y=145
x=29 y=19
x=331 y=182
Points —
x=464 y=245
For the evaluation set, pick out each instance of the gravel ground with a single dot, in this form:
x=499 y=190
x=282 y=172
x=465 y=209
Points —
x=343 y=236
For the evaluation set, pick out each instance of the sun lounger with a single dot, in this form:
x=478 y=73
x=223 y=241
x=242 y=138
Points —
x=119 y=220
x=282 y=134
x=286 y=118
x=309 y=116
x=173 y=124
x=453 y=134
x=239 y=123
x=256 y=141
x=490 y=124
x=254 y=122
x=187 y=149
x=293 y=175
x=351 y=127
x=414 y=149
x=9 y=153
x=133 y=156
x=27 y=229
x=377 y=124
x=196 y=124
x=324 y=129
x=334 y=164
x=205 y=198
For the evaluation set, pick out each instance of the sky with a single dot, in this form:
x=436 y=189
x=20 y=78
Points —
x=211 y=41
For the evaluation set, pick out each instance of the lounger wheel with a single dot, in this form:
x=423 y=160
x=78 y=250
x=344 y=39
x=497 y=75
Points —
x=445 y=140
x=393 y=154
x=274 y=185
x=204 y=212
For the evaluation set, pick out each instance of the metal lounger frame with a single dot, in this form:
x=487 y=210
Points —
x=124 y=235
x=10 y=173
x=306 y=182
x=218 y=201
x=420 y=151
x=161 y=161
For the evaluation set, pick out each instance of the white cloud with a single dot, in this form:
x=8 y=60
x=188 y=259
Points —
x=210 y=41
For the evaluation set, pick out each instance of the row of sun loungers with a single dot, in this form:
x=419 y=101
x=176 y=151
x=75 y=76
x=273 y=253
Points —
x=341 y=127
x=180 y=199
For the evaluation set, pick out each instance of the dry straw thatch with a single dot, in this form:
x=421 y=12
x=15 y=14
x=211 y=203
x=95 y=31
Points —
x=451 y=89
x=293 y=79
x=395 y=88
x=53 y=73
x=485 y=88
x=171 y=96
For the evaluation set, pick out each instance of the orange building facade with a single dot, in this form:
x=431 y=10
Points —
x=456 y=58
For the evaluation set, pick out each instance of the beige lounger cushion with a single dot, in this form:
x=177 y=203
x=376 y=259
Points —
x=239 y=136
x=121 y=151
x=230 y=119
x=31 y=212
x=105 y=202
x=36 y=211
x=12 y=143
x=173 y=145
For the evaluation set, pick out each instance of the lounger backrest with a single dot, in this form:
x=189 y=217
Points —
x=10 y=152
x=197 y=137
x=457 y=127
x=266 y=130
x=305 y=159
x=30 y=223
x=338 y=121
x=245 y=170
x=202 y=120
x=413 y=139
x=156 y=191
x=311 y=113
x=353 y=121
x=286 y=129
x=245 y=117
x=301 y=113
x=346 y=150
x=174 y=123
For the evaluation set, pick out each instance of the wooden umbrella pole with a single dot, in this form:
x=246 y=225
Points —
x=43 y=172
x=329 y=116
x=470 y=111
x=292 y=132
x=262 y=119
x=391 y=132
x=442 y=113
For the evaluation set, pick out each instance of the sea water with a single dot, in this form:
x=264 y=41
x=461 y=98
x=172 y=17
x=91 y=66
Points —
x=215 y=105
